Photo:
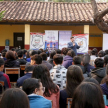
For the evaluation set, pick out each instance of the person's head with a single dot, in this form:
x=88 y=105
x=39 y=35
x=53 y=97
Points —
x=88 y=95
x=1 y=64
x=99 y=62
x=14 y=98
x=71 y=53
x=106 y=60
x=89 y=52
x=101 y=53
x=14 y=51
x=28 y=54
x=86 y=59
x=25 y=52
x=106 y=52
x=29 y=69
x=17 y=50
x=39 y=51
x=36 y=59
x=41 y=72
x=93 y=52
x=74 y=77
x=10 y=55
x=33 y=85
x=4 y=50
x=64 y=51
x=89 y=79
x=57 y=59
x=33 y=53
x=48 y=45
x=77 y=60
x=44 y=56
x=3 y=54
x=53 y=45
x=95 y=49
x=20 y=54
x=58 y=51
x=52 y=54
x=72 y=38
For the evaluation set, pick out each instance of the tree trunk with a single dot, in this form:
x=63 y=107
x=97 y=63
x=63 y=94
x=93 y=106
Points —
x=98 y=17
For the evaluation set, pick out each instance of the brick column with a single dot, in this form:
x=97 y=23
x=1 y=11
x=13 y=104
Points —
x=27 y=36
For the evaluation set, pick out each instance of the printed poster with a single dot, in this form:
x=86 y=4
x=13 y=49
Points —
x=51 y=40
x=105 y=41
x=37 y=40
x=64 y=38
x=83 y=39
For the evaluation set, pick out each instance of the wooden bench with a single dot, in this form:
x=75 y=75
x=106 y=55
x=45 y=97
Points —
x=22 y=67
x=69 y=102
x=13 y=71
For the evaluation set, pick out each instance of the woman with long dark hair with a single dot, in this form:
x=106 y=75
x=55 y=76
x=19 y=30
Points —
x=51 y=90
x=14 y=98
x=86 y=61
x=74 y=78
x=88 y=95
x=11 y=60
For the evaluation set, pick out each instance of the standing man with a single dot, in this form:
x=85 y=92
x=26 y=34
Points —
x=73 y=45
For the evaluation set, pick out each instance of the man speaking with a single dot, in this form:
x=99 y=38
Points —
x=73 y=45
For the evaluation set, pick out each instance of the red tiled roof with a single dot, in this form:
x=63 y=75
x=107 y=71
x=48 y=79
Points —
x=48 y=12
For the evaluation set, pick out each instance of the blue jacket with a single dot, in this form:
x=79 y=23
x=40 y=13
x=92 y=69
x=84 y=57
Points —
x=28 y=59
x=88 y=68
x=37 y=101
x=21 y=79
x=67 y=61
x=104 y=88
x=74 y=48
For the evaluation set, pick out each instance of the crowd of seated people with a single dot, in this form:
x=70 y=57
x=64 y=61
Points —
x=50 y=78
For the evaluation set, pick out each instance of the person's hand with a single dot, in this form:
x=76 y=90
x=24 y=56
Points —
x=73 y=43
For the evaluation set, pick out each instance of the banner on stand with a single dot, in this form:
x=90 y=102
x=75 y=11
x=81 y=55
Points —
x=51 y=40
x=64 y=38
x=105 y=41
x=83 y=39
x=37 y=40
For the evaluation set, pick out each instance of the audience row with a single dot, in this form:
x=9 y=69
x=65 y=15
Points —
x=49 y=81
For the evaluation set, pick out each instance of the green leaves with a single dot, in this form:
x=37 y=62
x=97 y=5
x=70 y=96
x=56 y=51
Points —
x=1 y=15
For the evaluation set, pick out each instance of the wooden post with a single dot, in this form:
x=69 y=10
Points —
x=86 y=31
x=27 y=36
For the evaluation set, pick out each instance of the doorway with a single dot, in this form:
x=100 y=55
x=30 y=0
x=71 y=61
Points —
x=19 y=40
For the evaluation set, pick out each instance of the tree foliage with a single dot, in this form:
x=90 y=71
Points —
x=1 y=15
